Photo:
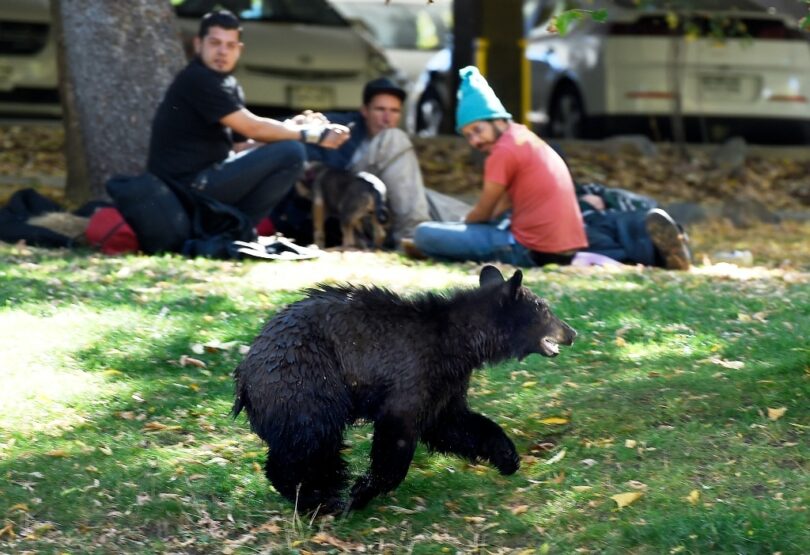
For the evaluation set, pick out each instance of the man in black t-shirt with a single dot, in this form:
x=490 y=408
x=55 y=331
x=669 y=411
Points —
x=203 y=137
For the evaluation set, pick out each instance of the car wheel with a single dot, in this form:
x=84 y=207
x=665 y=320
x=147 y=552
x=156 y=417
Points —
x=567 y=115
x=430 y=115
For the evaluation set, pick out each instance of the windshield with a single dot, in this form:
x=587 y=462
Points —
x=406 y=26
x=317 y=12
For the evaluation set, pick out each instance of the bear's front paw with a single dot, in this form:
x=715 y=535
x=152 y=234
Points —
x=508 y=463
x=504 y=457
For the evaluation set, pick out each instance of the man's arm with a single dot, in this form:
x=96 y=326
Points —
x=489 y=203
x=268 y=130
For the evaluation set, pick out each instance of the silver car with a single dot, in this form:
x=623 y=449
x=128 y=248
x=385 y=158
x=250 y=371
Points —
x=730 y=65
x=297 y=55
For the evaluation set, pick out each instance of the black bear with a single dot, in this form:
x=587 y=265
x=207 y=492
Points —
x=347 y=353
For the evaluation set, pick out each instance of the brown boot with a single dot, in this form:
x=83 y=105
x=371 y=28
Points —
x=669 y=238
x=408 y=247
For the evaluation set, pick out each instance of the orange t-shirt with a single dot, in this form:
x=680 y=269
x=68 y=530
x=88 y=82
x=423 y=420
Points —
x=545 y=211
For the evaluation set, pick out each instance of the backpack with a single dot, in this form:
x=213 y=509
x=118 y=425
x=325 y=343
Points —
x=169 y=217
x=108 y=231
x=157 y=216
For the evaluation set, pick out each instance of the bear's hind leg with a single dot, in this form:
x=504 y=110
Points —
x=473 y=436
x=392 y=450
x=315 y=482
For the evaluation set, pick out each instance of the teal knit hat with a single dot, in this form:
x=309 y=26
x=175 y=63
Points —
x=476 y=99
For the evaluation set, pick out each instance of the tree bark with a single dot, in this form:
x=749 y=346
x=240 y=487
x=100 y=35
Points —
x=500 y=24
x=115 y=61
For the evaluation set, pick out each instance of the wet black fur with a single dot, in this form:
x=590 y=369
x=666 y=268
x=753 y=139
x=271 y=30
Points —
x=348 y=353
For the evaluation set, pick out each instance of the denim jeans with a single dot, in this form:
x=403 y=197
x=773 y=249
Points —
x=486 y=242
x=254 y=180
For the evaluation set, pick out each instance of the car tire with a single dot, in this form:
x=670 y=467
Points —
x=430 y=115
x=567 y=118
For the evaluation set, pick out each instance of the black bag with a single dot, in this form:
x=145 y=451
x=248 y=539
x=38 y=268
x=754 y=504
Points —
x=153 y=211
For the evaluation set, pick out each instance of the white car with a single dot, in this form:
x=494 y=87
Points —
x=28 y=79
x=297 y=55
x=739 y=67
x=410 y=31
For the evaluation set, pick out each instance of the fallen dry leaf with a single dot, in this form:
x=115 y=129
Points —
x=733 y=364
x=8 y=530
x=519 y=509
x=557 y=458
x=625 y=499
x=268 y=527
x=776 y=414
x=186 y=360
x=554 y=420
x=693 y=497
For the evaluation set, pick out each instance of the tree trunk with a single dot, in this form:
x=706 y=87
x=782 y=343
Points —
x=464 y=39
x=115 y=61
x=503 y=30
x=497 y=27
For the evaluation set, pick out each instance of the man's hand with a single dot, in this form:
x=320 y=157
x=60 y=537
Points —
x=335 y=136
x=594 y=200
x=308 y=117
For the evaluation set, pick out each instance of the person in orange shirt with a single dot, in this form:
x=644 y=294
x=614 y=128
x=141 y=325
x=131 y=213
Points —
x=528 y=213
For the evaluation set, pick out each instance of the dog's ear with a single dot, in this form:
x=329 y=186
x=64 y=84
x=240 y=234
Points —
x=490 y=275
x=514 y=284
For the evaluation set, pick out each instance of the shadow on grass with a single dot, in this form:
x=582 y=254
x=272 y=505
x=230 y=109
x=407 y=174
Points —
x=162 y=452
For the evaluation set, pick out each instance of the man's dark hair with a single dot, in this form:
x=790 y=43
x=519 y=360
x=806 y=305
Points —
x=219 y=18
x=383 y=85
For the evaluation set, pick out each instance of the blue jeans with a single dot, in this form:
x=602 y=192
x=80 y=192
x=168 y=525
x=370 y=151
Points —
x=254 y=180
x=487 y=242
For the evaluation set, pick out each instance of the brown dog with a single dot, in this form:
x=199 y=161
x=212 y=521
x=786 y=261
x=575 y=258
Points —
x=355 y=199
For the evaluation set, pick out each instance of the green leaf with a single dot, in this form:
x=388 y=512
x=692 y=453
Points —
x=804 y=23
x=600 y=16
x=563 y=21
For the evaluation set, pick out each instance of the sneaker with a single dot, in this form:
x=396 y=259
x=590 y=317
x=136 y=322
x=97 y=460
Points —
x=407 y=245
x=669 y=238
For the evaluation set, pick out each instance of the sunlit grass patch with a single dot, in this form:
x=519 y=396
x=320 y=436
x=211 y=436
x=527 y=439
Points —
x=678 y=383
x=44 y=387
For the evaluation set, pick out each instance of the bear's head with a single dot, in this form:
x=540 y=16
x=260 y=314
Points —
x=531 y=326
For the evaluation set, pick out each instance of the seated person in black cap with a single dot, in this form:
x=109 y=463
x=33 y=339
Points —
x=377 y=145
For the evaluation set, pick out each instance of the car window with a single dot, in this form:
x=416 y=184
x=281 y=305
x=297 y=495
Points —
x=406 y=26
x=317 y=12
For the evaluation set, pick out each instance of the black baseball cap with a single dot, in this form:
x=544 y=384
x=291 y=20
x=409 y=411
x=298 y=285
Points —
x=380 y=86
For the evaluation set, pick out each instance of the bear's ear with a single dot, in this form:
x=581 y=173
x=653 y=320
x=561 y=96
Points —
x=490 y=275
x=514 y=284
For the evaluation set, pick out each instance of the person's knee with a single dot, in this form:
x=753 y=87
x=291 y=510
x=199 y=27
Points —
x=293 y=152
x=285 y=153
x=428 y=234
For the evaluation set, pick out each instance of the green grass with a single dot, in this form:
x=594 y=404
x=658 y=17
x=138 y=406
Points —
x=110 y=444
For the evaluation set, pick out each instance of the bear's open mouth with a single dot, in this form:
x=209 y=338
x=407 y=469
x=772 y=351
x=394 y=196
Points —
x=549 y=347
